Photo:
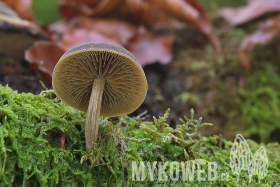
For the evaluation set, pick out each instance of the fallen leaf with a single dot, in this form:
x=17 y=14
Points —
x=131 y=10
x=87 y=2
x=62 y=139
x=57 y=29
x=68 y=10
x=265 y=33
x=254 y=9
x=80 y=36
x=244 y=57
x=148 y=49
x=158 y=12
x=153 y=11
x=42 y=57
x=22 y=7
x=103 y=7
x=203 y=24
x=117 y=30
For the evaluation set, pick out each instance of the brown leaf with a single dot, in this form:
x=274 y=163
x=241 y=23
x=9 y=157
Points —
x=244 y=57
x=42 y=57
x=22 y=7
x=80 y=36
x=57 y=29
x=117 y=30
x=87 y=2
x=148 y=49
x=203 y=24
x=137 y=11
x=84 y=30
x=62 y=140
x=158 y=12
x=154 y=11
x=265 y=33
x=256 y=8
x=103 y=7
x=68 y=10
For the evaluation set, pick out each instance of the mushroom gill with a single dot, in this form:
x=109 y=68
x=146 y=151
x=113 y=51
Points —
x=122 y=81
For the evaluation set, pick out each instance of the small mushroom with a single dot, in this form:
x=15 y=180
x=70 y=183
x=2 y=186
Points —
x=100 y=79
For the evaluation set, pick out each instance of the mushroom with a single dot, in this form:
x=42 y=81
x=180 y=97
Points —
x=100 y=79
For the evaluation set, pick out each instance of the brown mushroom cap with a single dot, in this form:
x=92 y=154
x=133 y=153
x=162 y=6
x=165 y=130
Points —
x=125 y=82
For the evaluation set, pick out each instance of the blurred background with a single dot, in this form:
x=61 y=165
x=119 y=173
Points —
x=219 y=57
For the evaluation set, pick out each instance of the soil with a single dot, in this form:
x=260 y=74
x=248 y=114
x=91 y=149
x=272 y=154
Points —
x=18 y=76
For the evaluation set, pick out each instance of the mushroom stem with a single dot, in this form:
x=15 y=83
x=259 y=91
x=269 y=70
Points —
x=93 y=112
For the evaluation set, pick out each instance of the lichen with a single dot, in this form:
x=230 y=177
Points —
x=30 y=153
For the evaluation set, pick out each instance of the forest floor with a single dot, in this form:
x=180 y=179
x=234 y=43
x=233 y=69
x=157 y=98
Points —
x=215 y=86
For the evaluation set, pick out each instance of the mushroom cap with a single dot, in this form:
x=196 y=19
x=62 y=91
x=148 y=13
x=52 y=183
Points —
x=125 y=82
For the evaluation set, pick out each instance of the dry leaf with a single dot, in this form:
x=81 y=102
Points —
x=68 y=10
x=85 y=30
x=117 y=30
x=62 y=140
x=256 y=8
x=153 y=11
x=87 y=2
x=103 y=7
x=57 y=29
x=80 y=36
x=148 y=49
x=137 y=11
x=42 y=57
x=22 y=7
x=203 y=24
x=265 y=33
x=158 y=12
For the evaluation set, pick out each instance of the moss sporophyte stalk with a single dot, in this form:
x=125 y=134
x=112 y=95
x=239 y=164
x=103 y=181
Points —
x=30 y=153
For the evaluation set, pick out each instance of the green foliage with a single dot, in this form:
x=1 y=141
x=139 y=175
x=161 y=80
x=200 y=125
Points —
x=30 y=153
x=260 y=102
x=253 y=107
x=236 y=101
x=215 y=5
x=45 y=11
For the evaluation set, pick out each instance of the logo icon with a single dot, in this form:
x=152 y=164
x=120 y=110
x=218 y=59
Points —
x=242 y=158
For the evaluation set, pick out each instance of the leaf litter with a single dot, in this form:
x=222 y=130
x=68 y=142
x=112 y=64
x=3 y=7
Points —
x=125 y=23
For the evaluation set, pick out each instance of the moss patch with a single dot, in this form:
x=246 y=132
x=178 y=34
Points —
x=30 y=153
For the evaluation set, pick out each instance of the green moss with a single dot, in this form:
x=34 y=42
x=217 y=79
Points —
x=215 y=5
x=30 y=153
x=254 y=107
x=224 y=94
